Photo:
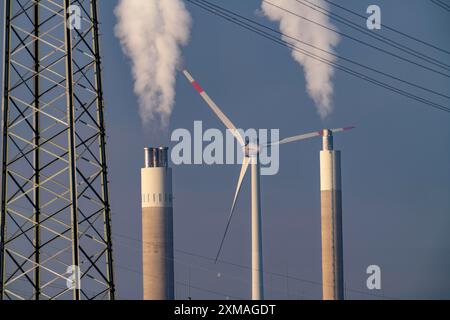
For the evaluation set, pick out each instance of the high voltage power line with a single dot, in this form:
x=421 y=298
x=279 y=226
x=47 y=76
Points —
x=335 y=55
x=256 y=28
x=190 y=265
x=441 y=4
x=374 y=35
x=390 y=28
x=186 y=284
x=267 y=273
x=355 y=39
x=184 y=263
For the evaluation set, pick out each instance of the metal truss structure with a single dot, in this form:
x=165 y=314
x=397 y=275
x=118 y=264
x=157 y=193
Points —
x=55 y=230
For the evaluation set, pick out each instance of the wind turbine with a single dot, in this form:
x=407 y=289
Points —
x=251 y=158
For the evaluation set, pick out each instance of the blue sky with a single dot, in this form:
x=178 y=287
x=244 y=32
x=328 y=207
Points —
x=395 y=165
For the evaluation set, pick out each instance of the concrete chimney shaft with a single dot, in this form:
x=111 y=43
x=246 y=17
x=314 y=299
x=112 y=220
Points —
x=157 y=226
x=331 y=220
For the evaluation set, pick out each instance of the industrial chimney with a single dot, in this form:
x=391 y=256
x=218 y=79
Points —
x=331 y=219
x=157 y=226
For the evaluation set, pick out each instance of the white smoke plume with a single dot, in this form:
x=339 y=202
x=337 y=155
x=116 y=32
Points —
x=151 y=33
x=318 y=74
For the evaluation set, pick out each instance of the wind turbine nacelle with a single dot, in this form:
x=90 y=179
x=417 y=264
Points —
x=251 y=149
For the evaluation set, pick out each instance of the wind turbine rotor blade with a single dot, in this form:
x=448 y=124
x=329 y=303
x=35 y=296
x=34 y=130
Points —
x=225 y=120
x=244 y=169
x=308 y=136
x=297 y=138
x=342 y=129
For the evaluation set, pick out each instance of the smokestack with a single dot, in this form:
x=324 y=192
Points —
x=331 y=219
x=157 y=226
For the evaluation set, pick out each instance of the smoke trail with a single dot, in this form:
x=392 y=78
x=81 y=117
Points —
x=151 y=33
x=318 y=75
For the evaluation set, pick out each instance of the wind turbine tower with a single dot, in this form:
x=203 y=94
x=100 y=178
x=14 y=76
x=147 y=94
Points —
x=331 y=220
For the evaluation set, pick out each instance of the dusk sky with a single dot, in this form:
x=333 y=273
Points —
x=395 y=164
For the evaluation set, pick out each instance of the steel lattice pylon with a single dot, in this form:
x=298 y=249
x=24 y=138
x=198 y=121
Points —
x=55 y=211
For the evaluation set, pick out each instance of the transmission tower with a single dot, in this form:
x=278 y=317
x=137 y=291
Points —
x=55 y=228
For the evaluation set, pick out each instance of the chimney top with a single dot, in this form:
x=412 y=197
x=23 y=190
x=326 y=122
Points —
x=327 y=140
x=156 y=157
